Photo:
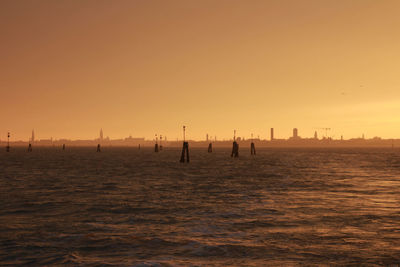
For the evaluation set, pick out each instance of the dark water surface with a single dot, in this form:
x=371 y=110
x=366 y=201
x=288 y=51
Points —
x=125 y=207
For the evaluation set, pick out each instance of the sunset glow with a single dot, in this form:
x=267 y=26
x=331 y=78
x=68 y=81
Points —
x=69 y=68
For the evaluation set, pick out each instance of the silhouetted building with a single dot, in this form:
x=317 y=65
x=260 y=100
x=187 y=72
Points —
x=135 y=140
x=295 y=133
x=33 y=136
x=101 y=134
x=46 y=142
x=272 y=134
x=315 y=135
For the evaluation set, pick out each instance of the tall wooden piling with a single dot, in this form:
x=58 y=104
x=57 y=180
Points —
x=8 y=142
x=185 y=148
x=252 y=146
x=98 y=148
x=235 y=146
x=253 y=149
x=235 y=150
x=185 y=152
x=156 y=145
x=30 y=147
x=63 y=147
x=210 y=148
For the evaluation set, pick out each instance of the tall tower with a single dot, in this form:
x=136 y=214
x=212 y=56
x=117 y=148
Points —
x=33 y=136
x=295 y=133
x=101 y=134
x=207 y=137
x=272 y=134
x=315 y=135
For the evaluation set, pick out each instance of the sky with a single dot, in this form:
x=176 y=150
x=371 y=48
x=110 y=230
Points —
x=140 y=68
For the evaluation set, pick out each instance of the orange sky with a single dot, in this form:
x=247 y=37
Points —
x=69 y=68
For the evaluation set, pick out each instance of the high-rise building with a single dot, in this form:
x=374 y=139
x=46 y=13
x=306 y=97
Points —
x=33 y=136
x=315 y=135
x=207 y=137
x=295 y=133
x=272 y=134
x=101 y=134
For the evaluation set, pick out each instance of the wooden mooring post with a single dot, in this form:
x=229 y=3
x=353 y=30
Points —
x=209 y=148
x=235 y=146
x=185 y=148
x=8 y=142
x=252 y=146
x=156 y=145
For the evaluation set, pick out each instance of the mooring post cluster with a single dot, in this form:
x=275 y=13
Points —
x=158 y=146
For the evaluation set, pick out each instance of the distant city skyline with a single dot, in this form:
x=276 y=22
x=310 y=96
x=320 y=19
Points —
x=294 y=136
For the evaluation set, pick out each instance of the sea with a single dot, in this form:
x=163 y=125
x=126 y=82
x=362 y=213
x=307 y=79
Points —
x=131 y=207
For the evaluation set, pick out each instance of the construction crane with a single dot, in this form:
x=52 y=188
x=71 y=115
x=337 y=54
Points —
x=325 y=129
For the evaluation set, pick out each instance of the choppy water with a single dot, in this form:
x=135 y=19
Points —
x=128 y=207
